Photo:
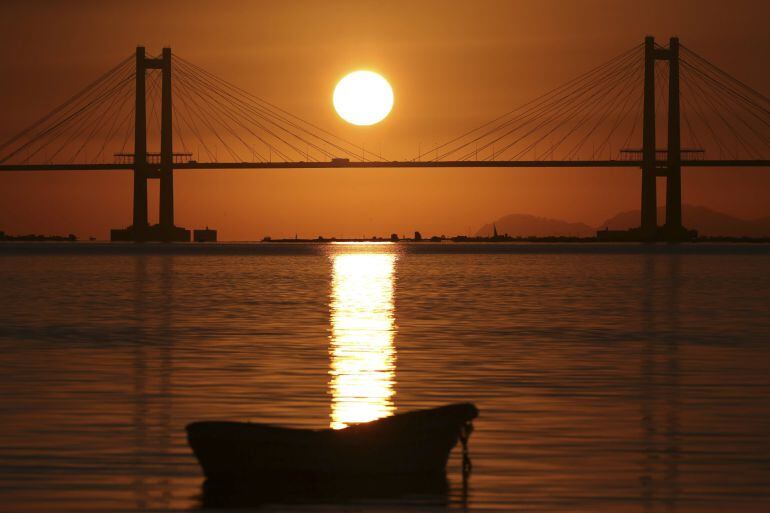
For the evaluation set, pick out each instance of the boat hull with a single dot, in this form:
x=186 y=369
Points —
x=415 y=443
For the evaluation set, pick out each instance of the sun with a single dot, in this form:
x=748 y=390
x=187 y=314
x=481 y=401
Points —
x=363 y=98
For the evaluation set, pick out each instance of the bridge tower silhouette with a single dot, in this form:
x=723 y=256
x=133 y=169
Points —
x=671 y=167
x=165 y=230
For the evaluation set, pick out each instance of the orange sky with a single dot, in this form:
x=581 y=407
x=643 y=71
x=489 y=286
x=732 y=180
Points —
x=452 y=65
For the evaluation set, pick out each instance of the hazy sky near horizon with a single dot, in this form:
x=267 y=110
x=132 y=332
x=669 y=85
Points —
x=452 y=65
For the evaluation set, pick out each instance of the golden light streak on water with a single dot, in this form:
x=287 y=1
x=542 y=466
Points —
x=362 y=374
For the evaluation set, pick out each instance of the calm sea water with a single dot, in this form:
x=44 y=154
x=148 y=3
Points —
x=609 y=378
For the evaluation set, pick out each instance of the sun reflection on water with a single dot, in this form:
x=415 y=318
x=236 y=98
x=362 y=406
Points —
x=362 y=351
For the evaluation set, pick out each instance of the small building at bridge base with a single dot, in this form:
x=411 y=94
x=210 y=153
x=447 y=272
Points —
x=154 y=233
x=207 y=235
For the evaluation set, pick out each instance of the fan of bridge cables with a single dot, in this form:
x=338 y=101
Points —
x=89 y=127
x=598 y=116
x=226 y=123
x=213 y=121
x=720 y=114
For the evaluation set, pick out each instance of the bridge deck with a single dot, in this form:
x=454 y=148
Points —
x=387 y=164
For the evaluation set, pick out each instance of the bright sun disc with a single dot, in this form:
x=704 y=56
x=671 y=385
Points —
x=363 y=98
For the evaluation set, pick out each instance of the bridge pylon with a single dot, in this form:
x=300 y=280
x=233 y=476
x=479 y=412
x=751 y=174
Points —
x=652 y=166
x=145 y=169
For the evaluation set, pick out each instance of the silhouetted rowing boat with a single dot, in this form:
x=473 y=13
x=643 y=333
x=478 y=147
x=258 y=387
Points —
x=416 y=443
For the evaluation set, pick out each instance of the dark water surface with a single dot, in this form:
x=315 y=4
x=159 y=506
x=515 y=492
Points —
x=609 y=378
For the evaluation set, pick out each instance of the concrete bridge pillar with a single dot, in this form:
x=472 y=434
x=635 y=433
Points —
x=674 y=227
x=145 y=168
x=649 y=221
x=166 y=149
x=140 y=149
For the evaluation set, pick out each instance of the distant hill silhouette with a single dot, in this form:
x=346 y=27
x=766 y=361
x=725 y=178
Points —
x=523 y=225
x=708 y=222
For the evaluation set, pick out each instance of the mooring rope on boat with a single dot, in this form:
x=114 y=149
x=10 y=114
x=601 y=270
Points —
x=465 y=434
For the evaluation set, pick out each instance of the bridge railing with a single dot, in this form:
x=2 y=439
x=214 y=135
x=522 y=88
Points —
x=635 y=155
x=153 y=158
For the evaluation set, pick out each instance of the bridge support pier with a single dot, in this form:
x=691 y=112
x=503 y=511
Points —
x=140 y=151
x=649 y=221
x=674 y=229
x=166 y=150
x=165 y=230
x=671 y=167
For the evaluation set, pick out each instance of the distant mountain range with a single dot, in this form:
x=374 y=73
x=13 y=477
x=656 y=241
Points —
x=523 y=225
x=708 y=222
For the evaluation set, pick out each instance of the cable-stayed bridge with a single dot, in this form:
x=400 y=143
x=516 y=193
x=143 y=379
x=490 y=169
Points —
x=651 y=107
